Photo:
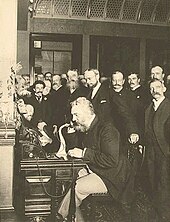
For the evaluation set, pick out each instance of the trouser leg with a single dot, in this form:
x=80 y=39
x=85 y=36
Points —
x=85 y=185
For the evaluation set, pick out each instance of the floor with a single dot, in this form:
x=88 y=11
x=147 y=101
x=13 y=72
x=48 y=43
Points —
x=141 y=211
x=106 y=211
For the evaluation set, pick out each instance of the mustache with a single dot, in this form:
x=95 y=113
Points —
x=156 y=93
x=74 y=123
x=117 y=85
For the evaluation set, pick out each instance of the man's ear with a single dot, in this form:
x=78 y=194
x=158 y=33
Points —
x=123 y=81
x=164 y=88
x=163 y=75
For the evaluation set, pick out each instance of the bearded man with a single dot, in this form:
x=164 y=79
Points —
x=107 y=171
x=73 y=90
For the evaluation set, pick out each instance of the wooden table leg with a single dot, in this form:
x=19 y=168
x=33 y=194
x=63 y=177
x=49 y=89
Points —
x=72 y=206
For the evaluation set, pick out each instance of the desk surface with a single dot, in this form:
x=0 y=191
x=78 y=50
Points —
x=51 y=163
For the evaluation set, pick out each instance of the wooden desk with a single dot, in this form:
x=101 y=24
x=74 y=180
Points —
x=43 y=183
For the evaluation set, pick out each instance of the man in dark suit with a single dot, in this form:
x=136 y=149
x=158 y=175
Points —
x=58 y=103
x=72 y=91
x=157 y=72
x=42 y=110
x=157 y=131
x=142 y=97
x=99 y=94
x=107 y=171
x=74 y=88
x=123 y=109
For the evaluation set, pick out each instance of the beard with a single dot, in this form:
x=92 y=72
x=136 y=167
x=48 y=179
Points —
x=73 y=84
x=80 y=127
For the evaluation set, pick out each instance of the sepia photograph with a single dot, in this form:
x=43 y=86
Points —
x=85 y=111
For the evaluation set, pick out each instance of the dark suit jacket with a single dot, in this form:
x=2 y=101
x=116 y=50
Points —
x=102 y=145
x=142 y=100
x=161 y=125
x=142 y=95
x=122 y=114
x=58 y=102
x=42 y=110
x=101 y=102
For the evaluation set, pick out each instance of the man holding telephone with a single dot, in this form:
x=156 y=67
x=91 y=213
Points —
x=107 y=171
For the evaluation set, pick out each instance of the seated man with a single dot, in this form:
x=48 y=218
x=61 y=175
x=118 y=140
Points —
x=107 y=171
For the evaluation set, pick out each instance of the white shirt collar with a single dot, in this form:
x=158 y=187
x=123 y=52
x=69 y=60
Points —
x=158 y=102
x=118 y=90
x=95 y=89
x=136 y=87
x=58 y=88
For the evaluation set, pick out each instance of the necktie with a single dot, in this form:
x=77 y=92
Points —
x=154 y=107
x=39 y=99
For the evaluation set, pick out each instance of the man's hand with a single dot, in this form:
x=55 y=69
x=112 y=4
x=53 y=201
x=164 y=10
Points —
x=133 y=138
x=76 y=152
x=41 y=125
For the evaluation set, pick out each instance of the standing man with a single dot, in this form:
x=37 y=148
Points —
x=157 y=73
x=58 y=103
x=123 y=109
x=40 y=103
x=157 y=131
x=107 y=170
x=48 y=76
x=99 y=94
x=142 y=99
x=42 y=111
x=73 y=90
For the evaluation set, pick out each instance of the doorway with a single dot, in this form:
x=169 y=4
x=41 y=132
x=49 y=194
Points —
x=55 y=53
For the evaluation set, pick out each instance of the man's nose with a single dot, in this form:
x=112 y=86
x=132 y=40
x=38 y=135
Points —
x=154 y=90
x=87 y=81
x=73 y=118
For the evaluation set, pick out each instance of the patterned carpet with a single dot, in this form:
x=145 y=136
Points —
x=108 y=211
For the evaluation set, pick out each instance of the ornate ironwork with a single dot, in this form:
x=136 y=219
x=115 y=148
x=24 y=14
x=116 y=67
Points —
x=135 y=11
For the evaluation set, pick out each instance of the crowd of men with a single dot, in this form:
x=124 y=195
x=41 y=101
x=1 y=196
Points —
x=107 y=115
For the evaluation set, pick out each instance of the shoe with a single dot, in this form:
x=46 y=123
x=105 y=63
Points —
x=37 y=219
x=58 y=218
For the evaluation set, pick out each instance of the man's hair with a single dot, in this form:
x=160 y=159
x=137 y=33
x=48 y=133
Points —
x=156 y=80
x=48 y=73
x=158 y=67
x=117 y=72
x=96 y=71
x=59 y=75
x=38 y=82
x=83 y=103
x=134 y=73
x=72 y=72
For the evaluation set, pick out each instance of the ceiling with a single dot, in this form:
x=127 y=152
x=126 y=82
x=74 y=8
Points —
x=152 y=12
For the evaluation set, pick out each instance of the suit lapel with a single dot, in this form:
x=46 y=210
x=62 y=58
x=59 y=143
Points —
x=160 y=118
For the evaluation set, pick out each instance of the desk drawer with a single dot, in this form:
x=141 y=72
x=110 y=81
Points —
x=64 y=173
x=37 y=186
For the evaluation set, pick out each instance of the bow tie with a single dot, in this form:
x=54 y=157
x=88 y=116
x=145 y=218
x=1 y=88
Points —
x=39 y=98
